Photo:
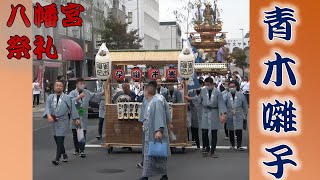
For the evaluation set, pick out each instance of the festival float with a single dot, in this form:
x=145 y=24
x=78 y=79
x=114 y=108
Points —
x=208 y=40
x=122 y=127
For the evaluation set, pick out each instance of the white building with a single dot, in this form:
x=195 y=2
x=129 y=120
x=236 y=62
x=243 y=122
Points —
x=117 y=9
x=144 y=16
x=237 y=42
x=170 y=35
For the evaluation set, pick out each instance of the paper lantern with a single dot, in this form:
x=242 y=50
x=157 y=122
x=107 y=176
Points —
x=103 y=63
x=171 y=74
x=153 y=74
x=186 y=63
x=136 y=74
x=119 y=75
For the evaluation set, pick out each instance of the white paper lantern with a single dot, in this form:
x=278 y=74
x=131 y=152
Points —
x=103 y=63
x=186 y=63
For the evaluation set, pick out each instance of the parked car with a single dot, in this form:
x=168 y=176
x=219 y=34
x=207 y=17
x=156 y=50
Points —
x=92 y=84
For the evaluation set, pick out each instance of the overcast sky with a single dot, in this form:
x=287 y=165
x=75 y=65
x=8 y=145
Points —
x=235 y=14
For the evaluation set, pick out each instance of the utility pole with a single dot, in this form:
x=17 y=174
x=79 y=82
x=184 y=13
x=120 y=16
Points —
x=138 y=18
x=171 y=36
x=242 y=38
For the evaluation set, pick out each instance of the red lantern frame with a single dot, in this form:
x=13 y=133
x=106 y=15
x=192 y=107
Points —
x=171 y=71
x=154 y=70
x=133 y=70
x=119 y=77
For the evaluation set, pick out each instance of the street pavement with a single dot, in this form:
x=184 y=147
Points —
x=120 y=165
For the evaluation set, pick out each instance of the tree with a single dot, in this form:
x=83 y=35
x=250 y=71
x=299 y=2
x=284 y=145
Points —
x=184 y=12
x=226 y=55
x=115 y=35
x=240 y=58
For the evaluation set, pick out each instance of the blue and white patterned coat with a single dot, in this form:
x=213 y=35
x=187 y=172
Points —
x=61 y=109
x=237 y=110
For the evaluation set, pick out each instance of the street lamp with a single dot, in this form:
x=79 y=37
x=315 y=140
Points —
x=242 y=38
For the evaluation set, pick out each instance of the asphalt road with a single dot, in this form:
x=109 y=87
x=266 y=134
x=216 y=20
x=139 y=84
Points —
x=120 y=165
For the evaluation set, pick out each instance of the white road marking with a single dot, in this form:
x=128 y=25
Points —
x=191 y=147
x=93 y=146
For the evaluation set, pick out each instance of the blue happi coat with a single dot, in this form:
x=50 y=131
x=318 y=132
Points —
x=237 y=110
x=84 y=103
x=154 y=115
x=163 y=92
x=61 y=108
x=176 y=96
x=212 y=108
x=195 y=110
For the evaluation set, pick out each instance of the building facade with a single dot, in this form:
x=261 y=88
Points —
x=49 y=67
x=84 y=38
x=75 y=44
x=170 y=35
x=144 y=16
x=238 y=42
x=117 y=9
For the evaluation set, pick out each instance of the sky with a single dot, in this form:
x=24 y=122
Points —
x=235 y=14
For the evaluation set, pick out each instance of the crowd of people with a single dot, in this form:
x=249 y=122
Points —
x=220 y=101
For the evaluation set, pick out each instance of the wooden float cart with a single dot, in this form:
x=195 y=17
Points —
x=220 y=68
x=128 y=133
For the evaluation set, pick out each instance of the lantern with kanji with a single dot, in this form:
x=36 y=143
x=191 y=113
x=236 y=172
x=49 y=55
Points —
x=171 y=74
x=186 y=63
x=103 y=63
x=136 y=74
x=153 y=73
x=119 y=75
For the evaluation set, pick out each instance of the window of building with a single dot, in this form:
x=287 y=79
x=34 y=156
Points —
x=129 y=17
x=123 y=8
x=115 y=3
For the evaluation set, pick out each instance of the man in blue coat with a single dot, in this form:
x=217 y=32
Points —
x=58 y=108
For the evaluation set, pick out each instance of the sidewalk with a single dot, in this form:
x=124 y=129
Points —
x=39 y=108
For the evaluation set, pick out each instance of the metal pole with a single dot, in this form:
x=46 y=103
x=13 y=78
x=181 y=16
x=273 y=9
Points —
x=171 y=37
x=84 y=53
x=64 y=61
x=138 y=18
x=242 y=39
x=188 y=20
